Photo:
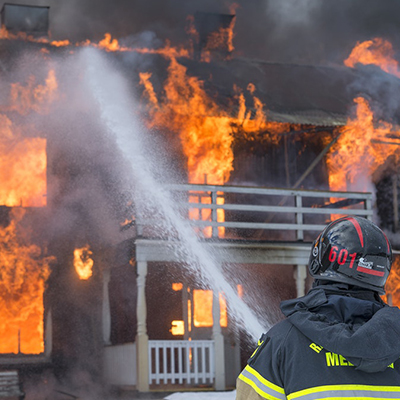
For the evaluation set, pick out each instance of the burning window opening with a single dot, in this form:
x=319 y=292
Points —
x=23 y=164
x=202 y=309
x=199 y=308
x=24 y=271
x=240 y=291
x=177 y=328
x=83 y=262
x=177 y=286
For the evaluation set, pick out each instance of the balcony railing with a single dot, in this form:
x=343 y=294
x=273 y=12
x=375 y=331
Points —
x=238 y=212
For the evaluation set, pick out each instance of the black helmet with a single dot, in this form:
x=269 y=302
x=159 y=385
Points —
x=352 y=250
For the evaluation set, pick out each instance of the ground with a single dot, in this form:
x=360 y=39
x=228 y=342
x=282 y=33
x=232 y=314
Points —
x=229 y=395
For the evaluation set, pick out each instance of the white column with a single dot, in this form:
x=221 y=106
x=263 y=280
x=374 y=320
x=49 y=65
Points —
x=219 y=346
x=106 y=308
x=300 y=275
x=142 y=339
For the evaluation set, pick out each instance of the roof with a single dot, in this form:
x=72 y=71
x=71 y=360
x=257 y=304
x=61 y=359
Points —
x=299 y=94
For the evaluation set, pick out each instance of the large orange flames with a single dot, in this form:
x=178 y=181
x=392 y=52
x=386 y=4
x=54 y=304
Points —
x=206 y=130
x=364 y=143
x=360 y=149
x=374 y=52
x=24 y=271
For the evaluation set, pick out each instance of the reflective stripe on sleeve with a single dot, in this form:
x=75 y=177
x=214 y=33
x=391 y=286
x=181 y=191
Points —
x=337 y=392
x=262 y=386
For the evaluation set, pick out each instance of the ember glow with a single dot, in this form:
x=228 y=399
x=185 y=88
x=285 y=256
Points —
x=24 y=271
x=83 y=262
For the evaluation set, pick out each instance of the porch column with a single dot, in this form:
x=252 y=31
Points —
x=300 y=276
x=106 y=308
x=142 y=339
x=219 y=351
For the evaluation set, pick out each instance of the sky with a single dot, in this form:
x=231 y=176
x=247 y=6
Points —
x=291 y=31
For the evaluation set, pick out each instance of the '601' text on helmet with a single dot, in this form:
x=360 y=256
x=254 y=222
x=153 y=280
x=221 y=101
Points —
x=352 y=250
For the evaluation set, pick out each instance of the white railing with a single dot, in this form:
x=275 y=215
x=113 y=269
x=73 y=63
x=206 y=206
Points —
x=255 y=209
x=176 y=361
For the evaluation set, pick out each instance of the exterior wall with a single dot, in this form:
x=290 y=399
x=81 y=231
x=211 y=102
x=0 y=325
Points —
x=120 y=364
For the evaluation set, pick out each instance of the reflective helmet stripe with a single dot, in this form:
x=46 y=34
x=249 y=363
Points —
x=358 y=229
x=387 y=242
x=371 y=271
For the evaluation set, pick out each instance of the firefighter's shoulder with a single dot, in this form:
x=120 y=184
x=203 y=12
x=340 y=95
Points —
x=271 y=341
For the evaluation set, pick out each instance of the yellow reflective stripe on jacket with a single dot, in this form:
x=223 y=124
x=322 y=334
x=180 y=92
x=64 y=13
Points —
x=262 y=386
x=332 y=392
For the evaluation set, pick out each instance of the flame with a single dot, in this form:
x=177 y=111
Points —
x=392 y=287
x=219 y=40
x=5 y=34
x=223 y=319
x=83 y=263
x=376 y=52
x=23 y=161
x=355 y=156
x=202 y=313
x=24 y=98
x=240 y=291
x=358 y=153
x=22 y=167
x=177 y=327
x=24 y=271
x=177 y=286
x=108 y=44
x=206 y=130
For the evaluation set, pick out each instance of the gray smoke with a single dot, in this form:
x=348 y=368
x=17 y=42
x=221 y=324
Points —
x=292 y=31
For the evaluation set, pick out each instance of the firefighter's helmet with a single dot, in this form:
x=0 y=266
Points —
x=352 y=250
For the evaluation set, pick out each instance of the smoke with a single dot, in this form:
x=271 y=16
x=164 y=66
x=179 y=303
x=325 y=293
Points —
x=291 y=31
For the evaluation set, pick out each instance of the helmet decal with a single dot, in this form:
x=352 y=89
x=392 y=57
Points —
x=352 y=250
x=358 y=229
x=387 y=241
x=370 y=271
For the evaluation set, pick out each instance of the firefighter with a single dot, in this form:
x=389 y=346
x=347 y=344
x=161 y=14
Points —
x=340 y=341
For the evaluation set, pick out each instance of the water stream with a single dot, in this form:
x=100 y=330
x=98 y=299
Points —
x=117 y=108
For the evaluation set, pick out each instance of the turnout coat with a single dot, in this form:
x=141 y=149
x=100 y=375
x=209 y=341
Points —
x=337 y=342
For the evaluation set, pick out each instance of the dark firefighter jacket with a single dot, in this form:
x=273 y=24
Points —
x=336 y=343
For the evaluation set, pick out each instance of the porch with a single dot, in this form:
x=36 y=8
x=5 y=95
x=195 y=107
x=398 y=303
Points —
x=239 y=225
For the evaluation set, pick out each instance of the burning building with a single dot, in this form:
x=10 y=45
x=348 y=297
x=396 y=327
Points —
x=92 y=286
